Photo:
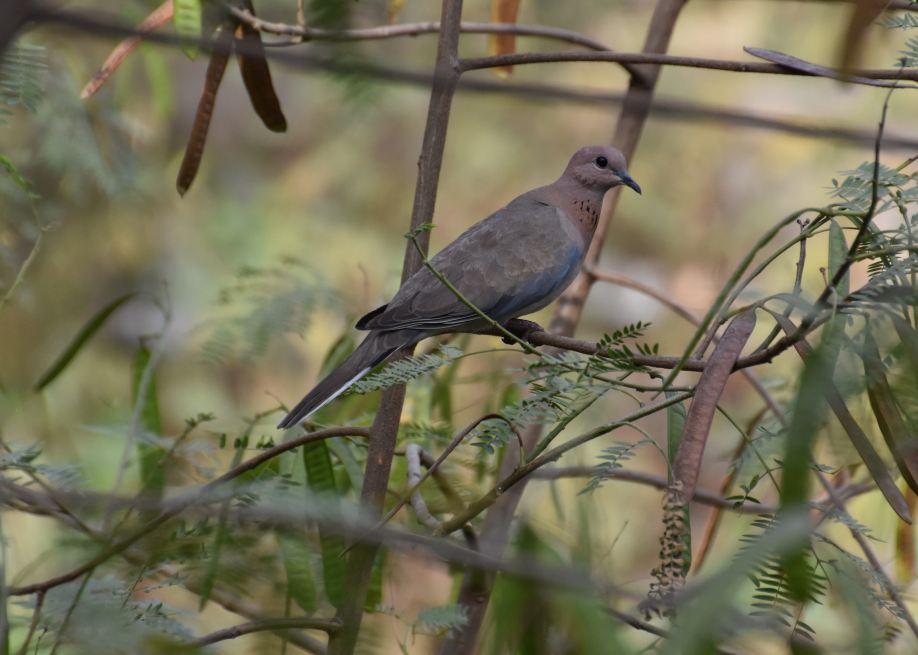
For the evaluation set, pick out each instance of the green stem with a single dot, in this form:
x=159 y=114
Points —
x=751 y=444
x=718 y=304
x=483 y=503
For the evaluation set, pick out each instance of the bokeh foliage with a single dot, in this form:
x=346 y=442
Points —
x=151 y=343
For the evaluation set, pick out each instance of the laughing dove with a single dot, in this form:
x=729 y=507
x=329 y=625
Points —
x=513 y=263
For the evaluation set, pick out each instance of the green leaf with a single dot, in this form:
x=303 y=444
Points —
x=18 y=180
x=300 y=584
x=152 y=472
x=809 y=409
x=321 y=480
x=838 y=254
x=160 y=79
x=187 y=18
x=343 y=452
x=84 y=335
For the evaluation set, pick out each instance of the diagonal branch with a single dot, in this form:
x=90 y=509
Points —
x=307 y=622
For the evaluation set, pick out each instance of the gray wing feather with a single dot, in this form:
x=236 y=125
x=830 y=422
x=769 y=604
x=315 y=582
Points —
x=507 y=263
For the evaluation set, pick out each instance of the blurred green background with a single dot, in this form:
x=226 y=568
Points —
x=334 y=194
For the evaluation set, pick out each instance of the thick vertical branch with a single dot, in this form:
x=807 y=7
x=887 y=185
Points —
x=476 y=587
x=385 y=427
x=635 y=110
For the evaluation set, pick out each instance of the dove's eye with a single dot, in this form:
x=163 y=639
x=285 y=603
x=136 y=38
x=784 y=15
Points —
x=602 y=162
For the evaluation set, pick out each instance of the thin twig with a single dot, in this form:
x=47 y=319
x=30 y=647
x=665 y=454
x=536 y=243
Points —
x=20 y=275
x=635 y=622
x=798 y=281
x=522 y=471
x=306 y=622
x=659 y=482
x=431 y=470
x=518 y=59
x=829 y=291
x=624 y=281
x=86 y=22
x=36 y=616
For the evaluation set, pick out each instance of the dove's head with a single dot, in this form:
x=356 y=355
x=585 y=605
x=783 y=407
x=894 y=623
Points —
x=599 y=168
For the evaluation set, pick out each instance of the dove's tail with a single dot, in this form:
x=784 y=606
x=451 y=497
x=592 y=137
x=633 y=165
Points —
x=374 y=349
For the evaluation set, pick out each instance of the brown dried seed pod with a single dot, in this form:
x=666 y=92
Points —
x=195 y=148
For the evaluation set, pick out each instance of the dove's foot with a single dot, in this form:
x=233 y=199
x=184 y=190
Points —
x=521 y=329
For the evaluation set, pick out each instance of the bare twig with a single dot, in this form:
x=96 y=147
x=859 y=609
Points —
x=477 y=63
x=36 y=616
x=637 y=623
x=674 y=109
x=84 y=22
x=798 y=280
x=458 y=439
x=624 y=281
x=307 y=622
x=669 y=362
x=659 y=482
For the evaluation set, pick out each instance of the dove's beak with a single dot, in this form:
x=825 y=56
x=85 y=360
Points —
x=629 y=182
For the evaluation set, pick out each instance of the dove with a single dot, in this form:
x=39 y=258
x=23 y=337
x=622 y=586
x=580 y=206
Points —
x=513 y=263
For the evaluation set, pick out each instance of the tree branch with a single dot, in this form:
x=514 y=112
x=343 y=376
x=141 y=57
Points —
x=665 y=108
x=659 y=482
x=385 y=426
x=733 y=66
x=306 y=622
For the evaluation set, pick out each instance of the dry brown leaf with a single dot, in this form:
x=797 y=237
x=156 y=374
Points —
x=503 y=11
x=195 y=148
x=152 y=22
